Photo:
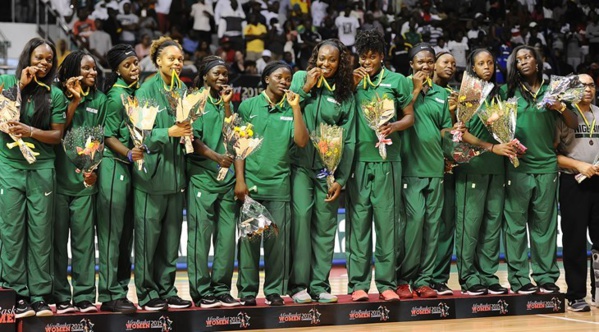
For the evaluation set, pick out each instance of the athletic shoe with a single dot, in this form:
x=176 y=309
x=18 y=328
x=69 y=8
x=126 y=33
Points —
x=475 y=290
x=42 y=309
x=208 y=301
x=325 y=297
x=425 y=292
x=274 y=300
x=176 y=302
x=497 y=289
x=23 y=309
x=549 y=288
x=359 y=295
x=578 y=305
x=301 y=297
x=227 y=300
x=389 y=296
x=65 y=308
x=404 y=291
x=527 y=289
x=156 y=305
x=86 y=306
x=123 y=306
x=442 y=289
x=248 y=301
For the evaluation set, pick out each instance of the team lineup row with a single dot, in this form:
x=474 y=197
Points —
x=417 y=209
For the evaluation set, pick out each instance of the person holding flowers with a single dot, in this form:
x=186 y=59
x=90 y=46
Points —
x=385 y=109
x=276 y=116
x=212 y=210
x=28 y=190
x=326 y=99
x=479 y=196
x=158 y=190
x=422 y=180
x=75 y=209
x=115 y=202
x=530 y=196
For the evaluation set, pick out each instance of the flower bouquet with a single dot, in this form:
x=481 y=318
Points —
x=328 y=141
x=239 y=139
x=458 y=152
x=500 y=119
x=378 y=112
x=84 y=146
x=141 y=120
x=255 y=220
x=10 y=105
x=563 y=88
x=473 y=92
x=188 y=105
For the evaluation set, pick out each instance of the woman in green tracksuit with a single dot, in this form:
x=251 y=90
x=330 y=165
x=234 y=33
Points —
x=115 y=202
x=212 y=210
x=27 y=191
x=277 y=117
x=479 y=192
x=530 y=196
x=314 y=208
x=158 y=190
x=374 y=189
x=422 y=180
x=75 y=208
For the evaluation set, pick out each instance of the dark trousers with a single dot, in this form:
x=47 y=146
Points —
x=579 y=207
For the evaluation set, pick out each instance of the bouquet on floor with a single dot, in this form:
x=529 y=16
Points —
x=255 y=220
x=328 y=142
x=141 y=120
x=500 y=119
x=473 y=92
x=239 y=139
x=84 y=146
x=189 y=106
x=10 y=110
x=563 y=88
x=580 y=177
x=378 y=112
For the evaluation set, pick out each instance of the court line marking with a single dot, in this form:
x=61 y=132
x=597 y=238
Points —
x=569 y=319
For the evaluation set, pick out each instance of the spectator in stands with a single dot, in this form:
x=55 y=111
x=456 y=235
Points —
x=276 y=39
x=202 y=51
x=255 y=35
x=348 y=28
x=441 y=47
x=475 y=34
x=535 y=38
x=100 y=43
x=148 y=24
x=226 y=52
x=263 y=61
x=202 y=13
x=271 y=12
x=143 y=48
x=398 y=55
x=458 y=47
x=129 y=22
x=411 y=35
x=62 y=50
x=573 y=42
x=328 y=29
x=319 y=12
x=190 y=42
x=357 y=11
x=309 y=38
x=238 y=65
x=592 y=34
x=84 y=26
x=371 y=23
x=232 y=23
x=112 y=24
x=163 y=8
x=288 y=58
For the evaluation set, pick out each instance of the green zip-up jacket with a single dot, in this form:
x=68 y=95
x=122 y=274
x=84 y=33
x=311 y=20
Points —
x=115 y=125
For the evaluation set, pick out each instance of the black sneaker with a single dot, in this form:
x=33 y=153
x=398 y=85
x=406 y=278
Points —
x=549 y=288
x=176 y=302
x=527 y=289
x=23 y=309
x=227 y=300
x=497 y=289
x=274 y=300
x=42 y=309
x=475 y=290
x=86 y=306
x=442 y=289
x=248 y=301
x=156 y=305
x=121 y=305
x=579 y=305
x=65 y=308
x=208 y=301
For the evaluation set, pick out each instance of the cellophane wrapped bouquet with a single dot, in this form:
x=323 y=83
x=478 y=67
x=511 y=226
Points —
x=255 y=220
x=239 y=139
x=188 y=105
x=378 y=112
x=563 y=88
x=500 y=119
x=141 y=115
x=328 y=142
x=84 y=146
x=10 y=110
x=473 y=92
x=457 y=153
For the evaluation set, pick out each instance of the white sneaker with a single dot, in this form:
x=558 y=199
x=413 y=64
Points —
x=327 y=298
x=301 y=297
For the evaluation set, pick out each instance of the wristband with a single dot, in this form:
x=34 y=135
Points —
x=561 y=110
x=30 y=131
x=130 y=155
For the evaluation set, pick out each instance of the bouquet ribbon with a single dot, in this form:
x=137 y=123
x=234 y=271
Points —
x=383 y=140
x=324 y=173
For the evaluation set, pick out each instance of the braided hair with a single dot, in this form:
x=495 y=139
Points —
x=71 y=67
